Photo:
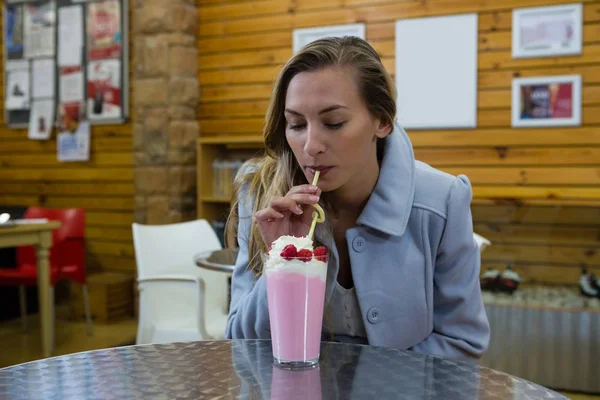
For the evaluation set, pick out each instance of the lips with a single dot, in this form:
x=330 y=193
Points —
x=323 y=169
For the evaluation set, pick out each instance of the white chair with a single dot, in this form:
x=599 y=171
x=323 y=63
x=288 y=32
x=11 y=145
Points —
x=179 y=301
x=482 y=242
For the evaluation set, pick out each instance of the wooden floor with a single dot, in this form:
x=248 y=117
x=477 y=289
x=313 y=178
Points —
x=71 y=337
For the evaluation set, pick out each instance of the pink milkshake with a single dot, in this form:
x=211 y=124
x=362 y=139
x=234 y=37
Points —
x=296 y=279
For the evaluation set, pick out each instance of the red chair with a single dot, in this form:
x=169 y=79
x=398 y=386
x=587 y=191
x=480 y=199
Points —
x=67 y=258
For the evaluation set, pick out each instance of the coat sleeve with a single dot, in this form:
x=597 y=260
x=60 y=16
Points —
x=248 y=312
x=460 y=325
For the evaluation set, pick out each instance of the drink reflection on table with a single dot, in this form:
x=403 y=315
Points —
x=261 y=379
x=358 y=372
x=301 y=384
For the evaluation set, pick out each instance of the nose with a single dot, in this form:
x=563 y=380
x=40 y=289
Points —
x=314 y=144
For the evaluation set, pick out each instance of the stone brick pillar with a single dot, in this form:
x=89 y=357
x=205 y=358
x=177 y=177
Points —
x=165 y=124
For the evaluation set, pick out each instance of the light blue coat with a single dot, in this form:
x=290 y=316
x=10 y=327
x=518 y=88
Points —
x=414 y=261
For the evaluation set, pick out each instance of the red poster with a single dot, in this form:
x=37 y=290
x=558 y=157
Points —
x=71 y=107
x=70 y=114
x=104 y=90
x=104 y=30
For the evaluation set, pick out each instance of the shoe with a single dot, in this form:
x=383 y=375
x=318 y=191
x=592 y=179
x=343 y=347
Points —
x=489 y=280
x=588 y=284
x=17 y=91
x=595 y=282
x=509 y=280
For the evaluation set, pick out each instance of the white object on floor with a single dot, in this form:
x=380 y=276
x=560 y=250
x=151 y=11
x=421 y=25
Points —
x=482 y=242
x=179 y=301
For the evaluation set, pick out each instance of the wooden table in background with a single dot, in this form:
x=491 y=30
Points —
x=39 y=236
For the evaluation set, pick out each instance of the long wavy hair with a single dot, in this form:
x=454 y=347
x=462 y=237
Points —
x=277 y=171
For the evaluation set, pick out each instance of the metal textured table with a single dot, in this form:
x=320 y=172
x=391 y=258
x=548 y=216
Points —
x=244 y=369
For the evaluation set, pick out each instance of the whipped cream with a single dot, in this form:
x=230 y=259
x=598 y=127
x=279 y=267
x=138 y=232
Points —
x=276 y=263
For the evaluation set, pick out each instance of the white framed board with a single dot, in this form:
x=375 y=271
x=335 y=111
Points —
x=436 y=72
x=303 y=36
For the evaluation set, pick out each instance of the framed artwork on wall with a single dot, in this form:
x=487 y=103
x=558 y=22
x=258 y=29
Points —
x=301 y=37
x=547 y=31
x=546 y=101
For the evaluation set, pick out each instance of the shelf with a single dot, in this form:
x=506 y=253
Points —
x=230 y=140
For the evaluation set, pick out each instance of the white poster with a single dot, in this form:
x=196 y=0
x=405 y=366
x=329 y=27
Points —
x=304 y=36
x=41 y=119
x=43 y=78
x=71 y=85
x=15 y=65
x=39 y=29
x=436 y=72
x=70 y=35
x=74 y=146
x=17 y=90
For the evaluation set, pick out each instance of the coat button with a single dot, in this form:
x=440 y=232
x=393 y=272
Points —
x=359 y=244
x=373 y=315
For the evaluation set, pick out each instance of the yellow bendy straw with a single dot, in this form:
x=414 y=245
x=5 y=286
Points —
x=319 y=215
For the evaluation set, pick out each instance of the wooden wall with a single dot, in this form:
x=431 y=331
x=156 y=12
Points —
x=31 y=175
x=537 y=191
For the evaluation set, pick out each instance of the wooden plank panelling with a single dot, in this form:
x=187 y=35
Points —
x=31 y=175
x=550 y=216
x=100 y=146
x=539 y=234
x=536 y=190
x=545 y=176
x=493 y=21
x=371 y=11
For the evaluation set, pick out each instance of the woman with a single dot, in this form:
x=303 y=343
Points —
x=404 y=267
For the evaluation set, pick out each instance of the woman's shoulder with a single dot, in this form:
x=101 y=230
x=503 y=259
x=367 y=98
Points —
x=244 y=194
x=434 y=188
x=248 y=167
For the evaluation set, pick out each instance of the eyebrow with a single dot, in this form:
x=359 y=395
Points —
x=323 y=111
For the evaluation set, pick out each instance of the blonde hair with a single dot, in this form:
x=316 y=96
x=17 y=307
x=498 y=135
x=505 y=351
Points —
x=277 y=171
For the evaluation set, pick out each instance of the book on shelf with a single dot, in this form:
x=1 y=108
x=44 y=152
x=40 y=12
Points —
x=224 y=172
x=219 y=228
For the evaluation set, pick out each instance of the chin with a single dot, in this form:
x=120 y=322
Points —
x=328 y=186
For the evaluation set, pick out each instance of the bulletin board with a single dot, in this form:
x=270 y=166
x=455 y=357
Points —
x=81 y=46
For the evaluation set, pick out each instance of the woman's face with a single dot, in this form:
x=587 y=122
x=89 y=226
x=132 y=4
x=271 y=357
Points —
x=329 y=128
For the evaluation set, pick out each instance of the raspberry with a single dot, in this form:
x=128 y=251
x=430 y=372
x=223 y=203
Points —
x=320 y=253
x=289 y=252
x=305 y=255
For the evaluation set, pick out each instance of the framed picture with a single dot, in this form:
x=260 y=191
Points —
x=547 y=31
x=302 y=37
x=546 y=101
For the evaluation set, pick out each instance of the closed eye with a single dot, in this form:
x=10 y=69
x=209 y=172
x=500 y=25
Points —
x=297 y=127
x=335 y=126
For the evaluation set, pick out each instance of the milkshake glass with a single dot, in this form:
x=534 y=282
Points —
x=296 y=296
